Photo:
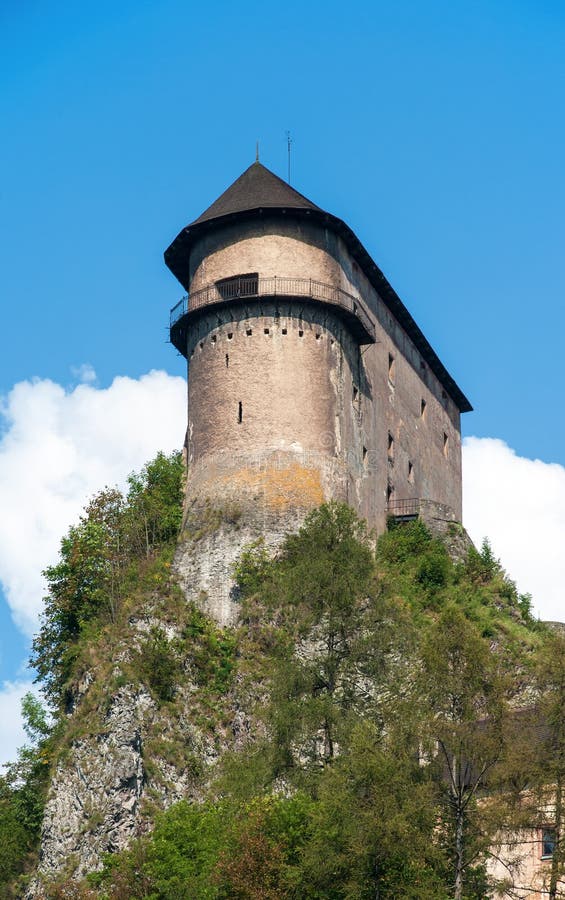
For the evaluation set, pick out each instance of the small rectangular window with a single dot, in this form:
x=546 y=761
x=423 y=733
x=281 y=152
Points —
x=265 y=331
x=364 y=456
x=410 y=472
x=240 y=413
x=547 y=843
x=284 y=331
x=249 y=332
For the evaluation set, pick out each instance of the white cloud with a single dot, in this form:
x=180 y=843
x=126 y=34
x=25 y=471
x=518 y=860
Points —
x=57 y=448
x=519 y=504
x=12 y=735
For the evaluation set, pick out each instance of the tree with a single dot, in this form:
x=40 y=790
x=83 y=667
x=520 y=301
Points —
x=466 y=695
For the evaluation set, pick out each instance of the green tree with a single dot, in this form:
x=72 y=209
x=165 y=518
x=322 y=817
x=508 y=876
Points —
x=466 y=695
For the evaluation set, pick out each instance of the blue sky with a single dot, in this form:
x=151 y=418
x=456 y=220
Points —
x=435 y=129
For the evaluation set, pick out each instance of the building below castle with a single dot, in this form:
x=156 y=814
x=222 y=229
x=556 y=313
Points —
x=308 y=379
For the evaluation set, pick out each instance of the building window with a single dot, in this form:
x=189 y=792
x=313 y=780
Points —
x=265 y=331
x=547 y=843
x=238 y=286
x=227 y=360
x=391 y=368
x=249 y=332
x=365 y=460
x=284 y=331
x=390 y=447
x=410 y=472
x=445 y=444
x=423 y=409
x=240 y=413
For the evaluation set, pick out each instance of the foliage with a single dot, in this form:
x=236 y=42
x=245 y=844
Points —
x=87 y=586
x=381 y=686
x=22 y=794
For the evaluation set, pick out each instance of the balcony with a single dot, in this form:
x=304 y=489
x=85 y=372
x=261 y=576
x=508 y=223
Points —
x=251 y=287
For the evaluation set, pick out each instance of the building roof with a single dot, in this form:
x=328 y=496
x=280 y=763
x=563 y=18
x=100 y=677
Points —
x=257 y=188
x=258 y=191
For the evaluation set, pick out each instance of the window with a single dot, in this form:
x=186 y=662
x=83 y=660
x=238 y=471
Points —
x=355 y=393
x=284 y=331
x=410 y=472
x=445 y=444
x=423 y=409
x=249 y=332
x=238 y=286
x=391 y=368
x=230 y=335
x=390 y=445
x=365 y=456
x=300 y=333
x=227 y=360
x=240 y=413
x=547 y=843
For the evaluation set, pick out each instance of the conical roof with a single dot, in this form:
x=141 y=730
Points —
x=257 y=191
x=256 y=188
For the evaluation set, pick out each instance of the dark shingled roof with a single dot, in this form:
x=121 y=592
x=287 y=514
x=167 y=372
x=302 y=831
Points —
x=259 y=191
x=257 y=188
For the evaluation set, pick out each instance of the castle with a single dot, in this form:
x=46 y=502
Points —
x=308 y=379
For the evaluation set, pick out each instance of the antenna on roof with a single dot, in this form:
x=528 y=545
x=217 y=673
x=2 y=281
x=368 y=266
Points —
x=289 y=141
x=257 y=151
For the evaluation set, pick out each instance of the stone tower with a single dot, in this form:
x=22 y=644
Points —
x=308 y=380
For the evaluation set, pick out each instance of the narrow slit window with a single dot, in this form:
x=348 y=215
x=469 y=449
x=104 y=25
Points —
x=227 y=360
x=390 y=367
x=390 y=445
x=240 y=413
x=445 y=444
x=410 y=472
x=364 y=456
x=423 y=409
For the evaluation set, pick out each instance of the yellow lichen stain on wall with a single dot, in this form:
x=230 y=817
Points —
x=294 y=485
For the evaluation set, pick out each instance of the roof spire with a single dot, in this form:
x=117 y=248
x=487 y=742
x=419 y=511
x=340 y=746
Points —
x=257 y=151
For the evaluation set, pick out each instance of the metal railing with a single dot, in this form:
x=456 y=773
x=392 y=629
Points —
x=400 y=509
x=250 y=286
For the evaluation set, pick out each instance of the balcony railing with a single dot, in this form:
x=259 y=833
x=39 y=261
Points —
x=403 y=509
x=252 y=286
